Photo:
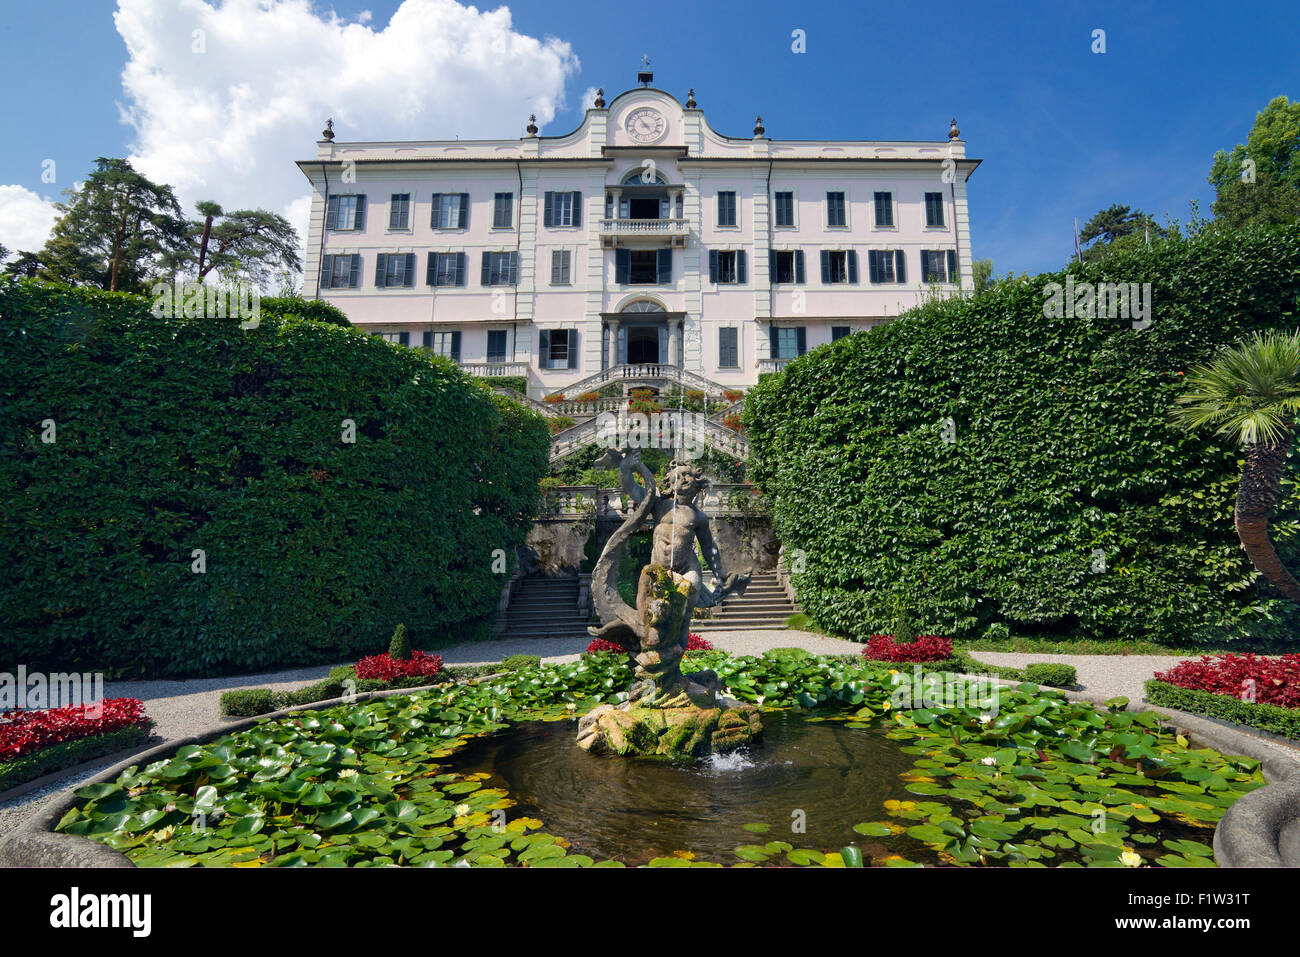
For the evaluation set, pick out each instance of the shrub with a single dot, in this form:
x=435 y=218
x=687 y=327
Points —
x=554 y=398
x=1266 y=717
x=693 y=643
x=558 y=423
x=59 y=756
x=384 y=668
x=1050 y=673
x=733 y=420
x=399 y=649
x=998 y=631
x=599 y=645
x=246 y=702
x=1063 y=445
x=1273 y=681
x=517 y=382
x=921 y=648
x=520 y=662
x=27 y=732
x=317 y=310
x=179 y=435
x=589 y=397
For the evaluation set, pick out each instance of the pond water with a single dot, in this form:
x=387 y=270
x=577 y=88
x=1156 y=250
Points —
x=633 y=810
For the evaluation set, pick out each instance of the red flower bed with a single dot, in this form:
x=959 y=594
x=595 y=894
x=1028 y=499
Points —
x=1275 y=680
x=26 y=732
x=925 y=648
x=693 y=643
x=386 y=669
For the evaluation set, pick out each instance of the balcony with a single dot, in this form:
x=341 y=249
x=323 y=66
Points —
x=772 y=365
x=615 y=232
x=493 y=370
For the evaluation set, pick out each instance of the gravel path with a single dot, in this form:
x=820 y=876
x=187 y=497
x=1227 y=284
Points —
x=1104 y=676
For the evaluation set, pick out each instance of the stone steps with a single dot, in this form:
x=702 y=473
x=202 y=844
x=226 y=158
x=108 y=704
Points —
x=763 y=607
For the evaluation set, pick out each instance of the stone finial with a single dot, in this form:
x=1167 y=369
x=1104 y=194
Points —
x=953 y=132
x=327 y=134
x=758 y=127
x=690 y=100
x=532 y=124
x=599 y=102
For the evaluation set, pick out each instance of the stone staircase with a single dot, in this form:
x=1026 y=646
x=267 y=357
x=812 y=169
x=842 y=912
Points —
x=763 y=607
x=542 y=607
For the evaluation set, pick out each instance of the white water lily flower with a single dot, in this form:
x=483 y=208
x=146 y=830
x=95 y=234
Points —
x=348 y=773
x=986 y=718
x=164 y=833
x=990 y=761
x=1130 y=858
x=462 y=810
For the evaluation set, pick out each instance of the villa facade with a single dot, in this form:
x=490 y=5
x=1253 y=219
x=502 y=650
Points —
x=641 y=239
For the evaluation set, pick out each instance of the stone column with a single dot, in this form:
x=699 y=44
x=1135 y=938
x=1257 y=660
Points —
x=613 y=343
x=675 y=343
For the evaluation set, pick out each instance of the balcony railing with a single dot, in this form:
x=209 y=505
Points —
x=583 y=501
x=772 y=365
x=492 y=370
x=641 y=227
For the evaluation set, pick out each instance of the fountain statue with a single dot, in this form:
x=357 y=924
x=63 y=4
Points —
x=668 y=713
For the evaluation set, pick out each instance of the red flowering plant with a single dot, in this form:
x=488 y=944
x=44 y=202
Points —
x=386 y=668
x=924 y=648
x=1273 y=680
x=733 y=421
x=693 y=643
x=643 y=401
x=26 y=732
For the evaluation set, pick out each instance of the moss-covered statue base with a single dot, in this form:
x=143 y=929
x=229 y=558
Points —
x=671 y=729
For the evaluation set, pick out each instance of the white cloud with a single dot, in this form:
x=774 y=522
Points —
x=227 y=123
x=25 y=219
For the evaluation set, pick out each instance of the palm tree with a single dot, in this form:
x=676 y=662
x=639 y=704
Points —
x=1251 y=393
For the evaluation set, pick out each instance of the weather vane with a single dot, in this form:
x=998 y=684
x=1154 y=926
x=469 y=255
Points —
x=645 y=60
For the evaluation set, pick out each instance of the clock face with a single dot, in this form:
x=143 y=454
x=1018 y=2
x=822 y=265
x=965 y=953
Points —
x=645 y=125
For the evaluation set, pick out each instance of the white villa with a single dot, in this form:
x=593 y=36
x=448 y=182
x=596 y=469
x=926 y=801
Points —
x=642 y=245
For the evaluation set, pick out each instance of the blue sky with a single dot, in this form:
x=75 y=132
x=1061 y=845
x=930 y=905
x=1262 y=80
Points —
x=1062 y=131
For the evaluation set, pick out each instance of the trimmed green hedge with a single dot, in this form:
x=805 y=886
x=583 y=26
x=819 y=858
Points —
x=1052 y=674
x=1266 y=717
x=69 y=754
x=247 y=702
x=318 y=310
x=180 y=434
x=1063 y=453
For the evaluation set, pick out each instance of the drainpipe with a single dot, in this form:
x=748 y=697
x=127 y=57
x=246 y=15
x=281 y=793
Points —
x=952 y=194
x=771 y=324
x=320 y=253
x=519 y=236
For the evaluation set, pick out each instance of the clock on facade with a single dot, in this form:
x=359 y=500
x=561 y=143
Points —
x=645 y=125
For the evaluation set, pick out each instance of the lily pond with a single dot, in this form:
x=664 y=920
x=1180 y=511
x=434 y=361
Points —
x=487 y=773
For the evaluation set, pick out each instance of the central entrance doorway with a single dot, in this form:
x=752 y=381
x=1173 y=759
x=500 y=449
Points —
x=642 y=345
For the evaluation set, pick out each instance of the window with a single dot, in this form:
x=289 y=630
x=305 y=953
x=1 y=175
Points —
x=789 y=342
x=836 y=214
x=726 y=208
x=496 y=345
x=394 y=270
x=450 y=211
x=445 y=269
x=500 y=269
x=886 y=265
x=839 y=266
x=839 y=332
x=347 y=213
x=443 y=344
x=727 y=265
x=561 y=267
x=503 y=210
x=558 y=348
x=729 y=347
x=562 y=209
x=784 y=209
x=401 y=338
x=938 y=265
x=643 y=266
x=884 y=210
x=340 y=272
x=934 y=209
x=786 y=266
x=399 y=211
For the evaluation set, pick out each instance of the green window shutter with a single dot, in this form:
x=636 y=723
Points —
x=462 y=269
x=852 y=257
x=381 y=264
x=544 y=349
x=360 y=222
x=873 y=266
x=548 y=208
x=555 y=267
x=514 y=268
x=428 y=340
x=740 y=266
x=798 y=266
x=464 y=210
x=713 y=265
x=431 y=271
x=826 y=266
x=952 y=265
x=773 y=351
x=435 y=214
x=455 y=345
x=403 y=338
x=485 y=277
x=573 y=348
x=354 y=276
x=900 y=266
x=622 y=265
x=771 y=265
x=577 y=208
x=408 y=280
x=332 y=213
x=327 y=271
x=664 y=262
x=801 y=335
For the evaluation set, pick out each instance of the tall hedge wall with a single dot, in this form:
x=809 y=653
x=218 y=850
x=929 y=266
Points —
x=1062 y=447
x=179 y=434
